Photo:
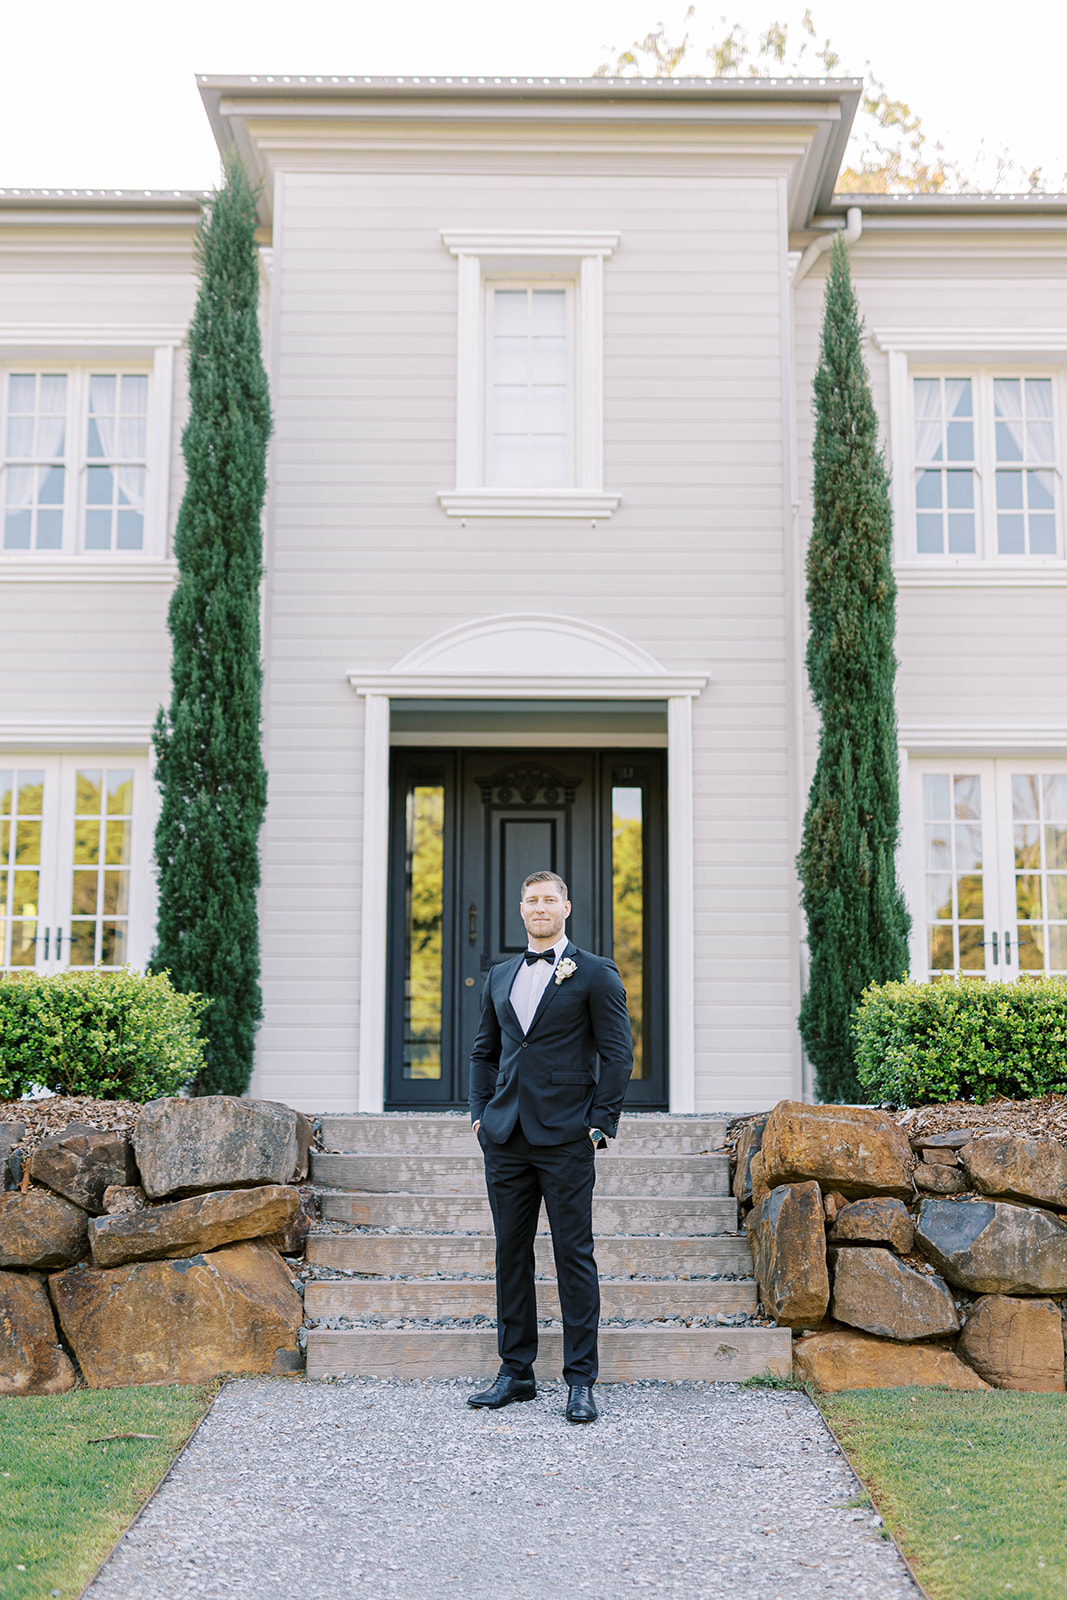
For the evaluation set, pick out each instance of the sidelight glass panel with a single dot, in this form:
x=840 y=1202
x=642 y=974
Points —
x=101 y=878
x=1039 y=822
x=22 y=807
x=628 y=906
x=424 y=867
x=954 y=873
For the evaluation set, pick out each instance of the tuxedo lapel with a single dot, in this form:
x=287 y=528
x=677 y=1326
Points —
x=510 y=976
x=551 y=990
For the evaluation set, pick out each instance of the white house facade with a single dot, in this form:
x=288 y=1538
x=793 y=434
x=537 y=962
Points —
x=540 y=355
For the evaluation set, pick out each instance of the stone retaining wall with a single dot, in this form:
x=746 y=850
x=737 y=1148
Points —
x=942 y=1261
x=159 y=1251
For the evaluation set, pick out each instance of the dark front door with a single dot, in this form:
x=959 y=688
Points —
x=467 y=827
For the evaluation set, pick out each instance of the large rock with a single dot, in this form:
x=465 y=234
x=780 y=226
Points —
x=38 y=1229
x=874 y=1221
x=11 y=1136
x=1015 y=1344
x=788 y=1239
x=189 y=1227
x=81 y=1162
x=1018 y=1168
x=292 y=1239
x=843 y=1360
x=304 y=1138
x=219 y=1142
x=180 y=1321
x=993 y=1247
x=854 y=1149
x=876 y=1292
x=939 y=1178
x=32 y=1360
x=748 y=1143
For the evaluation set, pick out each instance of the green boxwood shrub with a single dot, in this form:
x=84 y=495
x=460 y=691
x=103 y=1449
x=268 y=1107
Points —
x=962 y=1039
x=114 y=1035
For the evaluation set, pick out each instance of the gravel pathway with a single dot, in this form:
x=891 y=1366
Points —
x=379 y=1488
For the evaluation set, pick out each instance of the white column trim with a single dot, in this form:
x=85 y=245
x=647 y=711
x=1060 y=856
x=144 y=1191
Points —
x=470 y=357
x=681 y=904
x=590 y=375
x=374 y=908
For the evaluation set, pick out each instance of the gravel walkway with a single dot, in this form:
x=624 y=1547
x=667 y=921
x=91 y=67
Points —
x=380 y=1488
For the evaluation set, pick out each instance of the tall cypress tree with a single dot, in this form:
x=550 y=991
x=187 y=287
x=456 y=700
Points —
x=856 y=917
x=209 y=765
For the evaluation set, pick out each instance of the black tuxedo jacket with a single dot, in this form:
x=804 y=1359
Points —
x=548 y=1075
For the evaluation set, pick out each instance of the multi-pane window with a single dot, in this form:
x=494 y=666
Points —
x=1039 y=839
x=35 y=456
x=100 y=892
x=1026 y=461
x=21 y=818
x=944 y=452
x=115 y=450
x=987 y=471
x=529 y=429
x=74 y=467
x=953 y=875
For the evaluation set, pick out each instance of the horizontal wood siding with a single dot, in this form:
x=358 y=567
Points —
x=364 y=565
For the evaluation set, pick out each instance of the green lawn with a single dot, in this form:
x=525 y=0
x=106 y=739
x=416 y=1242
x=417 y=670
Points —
x=972 y=1486
x=63 y=1500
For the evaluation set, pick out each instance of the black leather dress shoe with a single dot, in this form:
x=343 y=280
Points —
x=504 y=1391
x=581 y=1407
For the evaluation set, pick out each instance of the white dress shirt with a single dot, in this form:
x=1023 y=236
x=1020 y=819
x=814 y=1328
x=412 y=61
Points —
x=531 y=981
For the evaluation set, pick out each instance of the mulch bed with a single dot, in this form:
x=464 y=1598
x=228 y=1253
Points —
x=45 y=1117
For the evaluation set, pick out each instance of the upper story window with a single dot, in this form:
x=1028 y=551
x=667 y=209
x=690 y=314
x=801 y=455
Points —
x=987 y=466
x=530 y=388
x=529 y=375
x=76 y=469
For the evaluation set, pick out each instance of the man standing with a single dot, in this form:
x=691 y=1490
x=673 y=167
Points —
x=540 y=1112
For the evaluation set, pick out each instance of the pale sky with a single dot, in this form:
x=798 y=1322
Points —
x=104 y=94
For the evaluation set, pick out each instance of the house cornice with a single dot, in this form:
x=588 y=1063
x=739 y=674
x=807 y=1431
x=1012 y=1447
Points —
x=272 y=120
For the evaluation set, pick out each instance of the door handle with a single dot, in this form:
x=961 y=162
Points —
x=59 y=941
x=996 y=957
x=1007 y=948
x=47 y=931
x=473 y=922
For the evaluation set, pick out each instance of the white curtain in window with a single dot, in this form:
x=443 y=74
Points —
x=928 y=428
x=1008 y=407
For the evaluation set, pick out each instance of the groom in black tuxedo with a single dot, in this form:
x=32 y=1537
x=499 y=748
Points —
x=540 y=1112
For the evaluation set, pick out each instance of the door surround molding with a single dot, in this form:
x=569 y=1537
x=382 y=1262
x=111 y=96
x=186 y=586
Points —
x=477 y=661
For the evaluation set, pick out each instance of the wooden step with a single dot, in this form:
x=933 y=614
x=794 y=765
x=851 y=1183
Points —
x=415 y=1255
x=447 y=1133
x=728 y=1355
x=468 y=1297
x=448 y=1175
x=436 y=1213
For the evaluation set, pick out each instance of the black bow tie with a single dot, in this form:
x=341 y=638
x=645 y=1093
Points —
x=539 y=955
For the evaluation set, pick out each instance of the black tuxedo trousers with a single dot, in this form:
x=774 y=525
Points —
x=518 y=1175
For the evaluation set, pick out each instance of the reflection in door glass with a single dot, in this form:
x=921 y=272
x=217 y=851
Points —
x=21 y=809
x=952 y=828
x=423 y=930
x=628 y=906
x=1039 y=830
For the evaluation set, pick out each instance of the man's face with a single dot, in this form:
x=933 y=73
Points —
x=544 y=912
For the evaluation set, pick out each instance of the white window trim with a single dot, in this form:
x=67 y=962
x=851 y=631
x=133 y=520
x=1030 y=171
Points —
x=917 y=352
x=497 y=254
x=76 y=348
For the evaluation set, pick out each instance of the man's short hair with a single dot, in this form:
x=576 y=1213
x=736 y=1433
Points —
x=545 y=877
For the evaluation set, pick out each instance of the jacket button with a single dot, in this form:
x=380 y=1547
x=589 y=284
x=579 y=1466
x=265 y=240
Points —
x=524 y=1044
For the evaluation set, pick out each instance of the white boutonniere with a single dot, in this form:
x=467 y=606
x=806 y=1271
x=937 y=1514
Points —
x=565 y=968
